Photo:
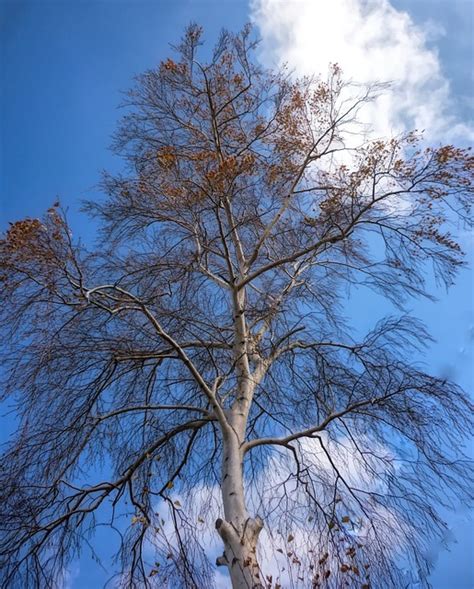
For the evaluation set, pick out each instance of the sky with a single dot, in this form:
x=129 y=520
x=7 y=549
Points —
x=65 y=64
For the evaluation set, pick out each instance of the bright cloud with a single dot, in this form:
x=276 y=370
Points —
x=269 y=495
x=371 y=41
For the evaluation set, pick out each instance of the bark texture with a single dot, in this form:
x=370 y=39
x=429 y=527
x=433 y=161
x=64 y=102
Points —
x=240 y=553
x=239 y=531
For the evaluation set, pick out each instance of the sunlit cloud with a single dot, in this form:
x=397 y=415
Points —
x=372 y=42
x=275 y=491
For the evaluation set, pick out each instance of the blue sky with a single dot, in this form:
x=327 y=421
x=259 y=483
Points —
x=64 y=63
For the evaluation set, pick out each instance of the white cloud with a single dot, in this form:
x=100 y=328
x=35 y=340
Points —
x=269 y=493
x=371 y=41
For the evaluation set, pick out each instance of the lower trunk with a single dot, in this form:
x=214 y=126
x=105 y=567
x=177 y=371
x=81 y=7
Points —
x=239 y=532
x=240 y=552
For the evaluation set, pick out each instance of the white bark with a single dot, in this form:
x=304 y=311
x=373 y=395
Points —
x=239 y=532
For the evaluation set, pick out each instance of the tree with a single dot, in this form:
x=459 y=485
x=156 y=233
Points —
x=199 y=358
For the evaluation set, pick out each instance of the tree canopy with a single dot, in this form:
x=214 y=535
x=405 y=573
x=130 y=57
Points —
x=197 y=369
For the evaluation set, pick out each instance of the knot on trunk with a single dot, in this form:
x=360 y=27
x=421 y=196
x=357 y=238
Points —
x=240 y=539
x=252 y=529
x=227 y=531
x=248 y=533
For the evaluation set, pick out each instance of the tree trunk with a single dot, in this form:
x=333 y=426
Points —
x=238 y=530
